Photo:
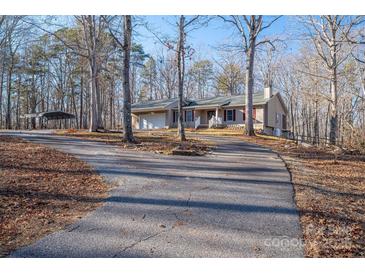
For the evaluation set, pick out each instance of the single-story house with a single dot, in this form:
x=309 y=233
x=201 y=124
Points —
x=269 y=112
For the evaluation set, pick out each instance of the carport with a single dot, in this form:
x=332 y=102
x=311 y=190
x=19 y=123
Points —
x=44 y=117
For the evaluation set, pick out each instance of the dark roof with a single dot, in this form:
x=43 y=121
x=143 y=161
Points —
x=51 y=115
x=156 y=104
x=235 y=100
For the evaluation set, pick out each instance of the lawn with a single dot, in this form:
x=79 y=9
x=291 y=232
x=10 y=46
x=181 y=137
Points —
x=41 y=191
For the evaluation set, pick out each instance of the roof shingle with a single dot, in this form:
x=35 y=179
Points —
x=236 y=100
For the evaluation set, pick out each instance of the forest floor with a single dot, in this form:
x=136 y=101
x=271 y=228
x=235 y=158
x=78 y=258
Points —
x=329 y=192
x=41 y=191
x=154 y=141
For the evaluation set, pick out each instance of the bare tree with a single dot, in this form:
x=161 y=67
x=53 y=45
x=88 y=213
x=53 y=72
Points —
x=90 y=47
x=93 y=27
x=127 y=117
x=249 y=28
x=125 y=44
x=328 y=33
x=184 y=26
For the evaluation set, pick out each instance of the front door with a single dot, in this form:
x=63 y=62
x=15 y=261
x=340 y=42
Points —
x=210 y=114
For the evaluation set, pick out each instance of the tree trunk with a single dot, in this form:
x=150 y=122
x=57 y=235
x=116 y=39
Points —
x=18 y=102
x=73 y=102
x=292 y=117
x=250 y=55
x=1 y=94
x=81 y=100
x=93 y=98
x=316 y=125
x=127 y=117
x=333 y=111
x=180 y=68
x=111 y=103
x=8 y=89
x=33 y=103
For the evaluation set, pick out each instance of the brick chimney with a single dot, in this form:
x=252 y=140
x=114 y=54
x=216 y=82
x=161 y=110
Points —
x=267 y=92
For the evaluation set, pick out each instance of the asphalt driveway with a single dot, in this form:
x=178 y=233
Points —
x=235 y=202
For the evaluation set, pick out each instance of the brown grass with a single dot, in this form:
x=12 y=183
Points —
x=41 y=191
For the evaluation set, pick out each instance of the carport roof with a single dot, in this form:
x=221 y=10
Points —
x=51 y=115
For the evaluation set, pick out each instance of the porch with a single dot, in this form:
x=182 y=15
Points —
x=208 y=118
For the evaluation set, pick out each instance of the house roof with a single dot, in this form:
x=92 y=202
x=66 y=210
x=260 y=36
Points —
x=236 y=100
x=218 y=101
x=154 y=105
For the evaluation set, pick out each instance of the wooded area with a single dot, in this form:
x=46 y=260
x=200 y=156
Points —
x=95 y=66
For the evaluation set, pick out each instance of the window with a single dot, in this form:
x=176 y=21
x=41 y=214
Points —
x=175 y=116
x=230 y=115
x=277 y=118
x=189 y=116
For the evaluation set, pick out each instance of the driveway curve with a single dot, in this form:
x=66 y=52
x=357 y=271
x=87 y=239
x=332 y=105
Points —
x=235 y=202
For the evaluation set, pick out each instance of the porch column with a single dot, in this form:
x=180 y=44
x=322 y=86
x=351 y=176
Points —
x=170 y=118
x=216 y=113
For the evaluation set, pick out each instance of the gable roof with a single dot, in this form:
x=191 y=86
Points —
x=218 y=101
x=155 y=104
x=235 y=100
x=257 y=98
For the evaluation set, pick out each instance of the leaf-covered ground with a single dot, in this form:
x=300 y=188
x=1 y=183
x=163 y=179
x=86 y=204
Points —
x=329 y=192
x=157 y=141
x=41 y=191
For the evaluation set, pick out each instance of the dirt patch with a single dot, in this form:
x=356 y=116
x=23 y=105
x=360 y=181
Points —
x=41 y=191
x=162 y=142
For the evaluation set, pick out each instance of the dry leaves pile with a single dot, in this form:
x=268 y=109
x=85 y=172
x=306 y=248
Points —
x=158 y=141
x=330 y=195
x=41 y=191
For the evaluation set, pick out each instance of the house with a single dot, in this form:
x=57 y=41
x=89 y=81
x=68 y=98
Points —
x=269 y=112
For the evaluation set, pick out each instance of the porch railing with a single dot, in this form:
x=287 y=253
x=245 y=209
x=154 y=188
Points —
x=215 y=121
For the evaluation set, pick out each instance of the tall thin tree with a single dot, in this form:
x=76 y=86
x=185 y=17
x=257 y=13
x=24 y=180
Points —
x=249 y=28
x=127 y=116
x=123 y=37
x=328 y=33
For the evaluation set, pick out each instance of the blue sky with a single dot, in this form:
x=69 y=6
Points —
x=206 y=39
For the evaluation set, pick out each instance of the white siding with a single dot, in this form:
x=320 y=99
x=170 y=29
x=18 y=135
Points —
x=152 y=121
